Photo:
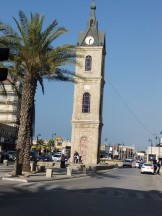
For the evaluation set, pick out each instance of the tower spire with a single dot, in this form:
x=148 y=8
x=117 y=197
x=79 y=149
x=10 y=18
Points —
x=91 y=30
x=92 y=18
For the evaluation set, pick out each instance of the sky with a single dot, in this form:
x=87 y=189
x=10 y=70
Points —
x=132 y=106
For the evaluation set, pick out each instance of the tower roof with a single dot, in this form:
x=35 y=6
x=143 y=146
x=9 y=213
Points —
x=92 y=30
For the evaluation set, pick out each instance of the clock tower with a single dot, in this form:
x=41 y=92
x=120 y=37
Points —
x=88 y=92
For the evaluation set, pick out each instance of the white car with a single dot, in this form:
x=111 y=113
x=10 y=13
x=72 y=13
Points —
x=147 y=168
x=56 y=157
x=137 y=164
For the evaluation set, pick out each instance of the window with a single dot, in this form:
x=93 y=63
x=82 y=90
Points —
x=86 y=103
x=88 y=63
x=91 y=22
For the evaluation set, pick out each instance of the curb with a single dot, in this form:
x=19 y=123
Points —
x=42 y=179
x=54 y=178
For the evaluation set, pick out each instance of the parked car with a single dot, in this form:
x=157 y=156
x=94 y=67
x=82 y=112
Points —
x=1 y=157
x=56 y=157
x=137 y=164
x=147 y=168
x=129 y=163
x=10 y=155
x=44 y=157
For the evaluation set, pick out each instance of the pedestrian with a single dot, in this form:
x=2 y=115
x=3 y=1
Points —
x=158 y=167
x=155 y=166
x=75 y=156
x=78 y=158
x=62 y=162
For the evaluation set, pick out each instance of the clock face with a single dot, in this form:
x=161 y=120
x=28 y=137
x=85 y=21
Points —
x=89 y=40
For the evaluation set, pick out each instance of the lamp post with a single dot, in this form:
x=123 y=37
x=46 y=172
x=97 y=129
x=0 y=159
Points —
x=38 y=135
x=150 y=140
x=37 y=140
x=109 y=155
x=54 y=134
x=121 y=151
x=106 y=147
x=158 y=145
x=53 y=142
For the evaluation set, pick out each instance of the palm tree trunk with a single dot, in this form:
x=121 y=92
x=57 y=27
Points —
x=24 y=134
x=26 y=159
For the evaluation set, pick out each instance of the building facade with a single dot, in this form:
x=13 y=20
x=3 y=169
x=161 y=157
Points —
x=154 y=153
x=9 y=115
x=88 y=92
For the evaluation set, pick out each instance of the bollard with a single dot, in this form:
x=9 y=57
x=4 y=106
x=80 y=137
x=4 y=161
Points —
x=93 y=170
x=5 y=162
x=84 y=170
x=49 y=172
x=69 y=171
x=32 y=165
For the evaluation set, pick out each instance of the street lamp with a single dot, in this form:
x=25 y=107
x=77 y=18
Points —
x=54 y=134
x=38 y=135
x=121 y=151
x=158 y=145
x=109 y=155
x=150 y=140
x=106 y=146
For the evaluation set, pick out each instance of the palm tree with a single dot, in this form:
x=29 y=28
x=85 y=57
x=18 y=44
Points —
x=33 y=58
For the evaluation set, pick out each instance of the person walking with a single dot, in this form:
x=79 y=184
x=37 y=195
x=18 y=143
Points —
x=75 y=157
x=158 y=167
x=155 y=166
x=62 y=162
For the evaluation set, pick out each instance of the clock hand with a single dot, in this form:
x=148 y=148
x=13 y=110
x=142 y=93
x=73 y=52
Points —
x=89 y=41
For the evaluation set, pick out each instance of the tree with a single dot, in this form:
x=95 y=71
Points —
x=51 y=144
x=40 y=143
x=34 y=58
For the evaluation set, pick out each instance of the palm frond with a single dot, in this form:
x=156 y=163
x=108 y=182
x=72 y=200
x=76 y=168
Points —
x=3 y=89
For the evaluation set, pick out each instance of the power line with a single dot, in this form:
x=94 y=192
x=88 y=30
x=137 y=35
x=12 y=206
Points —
x=129 y=109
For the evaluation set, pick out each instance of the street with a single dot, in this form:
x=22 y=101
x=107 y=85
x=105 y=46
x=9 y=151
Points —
x=123 y=191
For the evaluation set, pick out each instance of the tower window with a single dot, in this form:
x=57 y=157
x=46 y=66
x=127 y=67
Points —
x=88 y=63
x=86 y=103
x=91 y=22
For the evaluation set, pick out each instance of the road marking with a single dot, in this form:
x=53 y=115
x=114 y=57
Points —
x=117 y=193
x=132 y=194
x=26 y=184
x=102 y=192
x=156 y=197
x=139 y=195
x=147 y=196
x=51 y=187
x=36 y=185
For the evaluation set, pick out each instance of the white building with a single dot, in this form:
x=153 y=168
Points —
x=9 y=105
x=154 y=153
x=9 y=114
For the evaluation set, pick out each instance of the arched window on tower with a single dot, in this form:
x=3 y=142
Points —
x=86 y=103
x=88 y=63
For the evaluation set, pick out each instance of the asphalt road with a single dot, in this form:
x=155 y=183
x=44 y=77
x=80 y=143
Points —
x=119 y=192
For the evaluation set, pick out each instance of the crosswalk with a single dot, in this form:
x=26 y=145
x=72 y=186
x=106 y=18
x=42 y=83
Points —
x=109 y=192
x=6 y=168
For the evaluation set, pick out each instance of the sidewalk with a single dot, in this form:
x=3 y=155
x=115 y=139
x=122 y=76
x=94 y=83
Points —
x=57 y=174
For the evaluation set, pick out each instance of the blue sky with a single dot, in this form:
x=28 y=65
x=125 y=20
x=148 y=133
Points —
x=132 y=109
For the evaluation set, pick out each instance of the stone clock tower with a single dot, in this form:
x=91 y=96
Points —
x=88 y=93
